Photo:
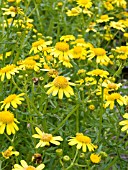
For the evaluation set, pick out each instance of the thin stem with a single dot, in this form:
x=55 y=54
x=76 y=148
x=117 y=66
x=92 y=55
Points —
x=101 y=115
x=73 y=162
x=63 y=122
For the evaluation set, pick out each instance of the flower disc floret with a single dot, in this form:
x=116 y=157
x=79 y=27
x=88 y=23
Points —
x=6 y=117
x=60 y=82
x=99 y=51
x=62 y=46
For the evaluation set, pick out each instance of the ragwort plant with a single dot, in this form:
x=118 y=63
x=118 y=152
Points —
x=62 y=99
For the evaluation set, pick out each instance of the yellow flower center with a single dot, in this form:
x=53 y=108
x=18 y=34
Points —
x=10 y=98
x=46 y=137
x=98 y=72
x=6 y=117
x=30 y=168
x=99 y=51
x=12 y=9
x=112 y=86
x=84 y=2
x=77 y=49
x=84 y=139
x=62 y=46
x=60 y=82
x=29 y=62
x=7 y=68
x=80 y=40
x=114 y=96
x=7 y=153
x=104 y=17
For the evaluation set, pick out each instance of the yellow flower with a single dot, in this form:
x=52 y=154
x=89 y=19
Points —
x=124 y=122
x=13 y=100
x=66 y=62
x=111 y=98
x=7 y=153
x=95 y=158
x=25 y=166
x=98 y=72
x=12 y=11
x=8 y=70
x=74 y=11
x=117 y=25
x=46 y=139
x=7 y=54
x=7 y=120
x=120 y=3
x=78 y=52
x=84 y=3
x=61 y=50
x=108 y=5
x=104 y=18
x=91 y=107
x=100 y=54
x=82 y=141
x=60 y=85
x=67 y=38
x=29 y=64
x=39 y=45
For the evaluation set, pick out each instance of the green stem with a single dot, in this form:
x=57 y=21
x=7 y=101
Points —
x=73 y=162
x=8 y=138
x=63 y=122
x=77 y=120
x=101 y=115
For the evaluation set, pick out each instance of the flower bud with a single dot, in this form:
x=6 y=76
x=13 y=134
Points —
x=66 y=158
x=59 y=152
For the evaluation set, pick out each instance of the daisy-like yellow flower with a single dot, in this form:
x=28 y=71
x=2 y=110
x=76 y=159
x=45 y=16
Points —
x=61 y=51
x=66 y=62
x=117 y=25
x=67 y=38
x=74 y=11
x=78 y=52
x=111 y=98
x=39 y=45
x=111 y=85
x=120 y=3
x=95 y=158
x=108 y=5
x=98 y=73
x=100 y=55
x=104 y=18
x=84 y=3
x=124 y=123
x=13 y=100
x=7 y=120
x=60 y=85
x=25 y=166
x=8 y=71
x=82 y=141
x=46 y=139
x=9 y=152
x=122 y=51
x=29 y=64
x=12 y=11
